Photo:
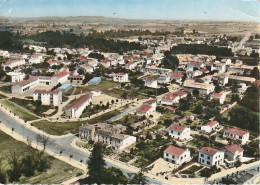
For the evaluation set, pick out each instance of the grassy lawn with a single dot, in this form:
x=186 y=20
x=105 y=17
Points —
x=23 y=113
x=89 y=110
x=154 y=128
x=128 y=120
x=167 y=115
x=6 y=89
x=199 y=142
x=2 y=96
x=33 y=106
x=61 y=128
x=57 y=173
x=191 y=169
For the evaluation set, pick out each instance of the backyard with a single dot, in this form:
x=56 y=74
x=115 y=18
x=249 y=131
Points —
x=61 y=128
x=57 y=173
x=21 y=112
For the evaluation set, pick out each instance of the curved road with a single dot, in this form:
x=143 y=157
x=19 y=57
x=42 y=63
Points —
x=54 y=144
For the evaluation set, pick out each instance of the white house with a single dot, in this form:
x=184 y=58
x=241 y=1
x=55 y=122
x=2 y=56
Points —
x=233 y=152
x=176 y=155
x=210 y=156
x=75 y=109
x=48 y=97
x=14 y=63
x=237 y=134
x=145 y=109
x=96 y=92
x=177 y=77
x=151 y=82
x=163 y=79
x=210 y=126
x=203 y=88
x=223 y=79
x=179 y=132
x=120 y=77
x=219 y=96
x=220 y=67
x=35 y=59
x=16 y=76
x=193 y=64
x=107 y=134
x=169 y=99
x=59 y=78
x=131 y=65
x=106 y=63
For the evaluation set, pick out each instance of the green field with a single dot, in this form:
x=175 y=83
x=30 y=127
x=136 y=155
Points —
x=22 y=113
x=57 y=173
x=61 y=128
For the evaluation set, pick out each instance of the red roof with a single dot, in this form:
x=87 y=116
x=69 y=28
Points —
x=209 y=150
x=78 y=102
x=236 y=131
x=144 y=108
x=61 y=74
x=121 y=73
x=211 y=123
x=151 y=79
x=132 y=57
x=233 y=148
x=204 y=70
x=12 y=61
x=195 y=63
x=171 y=108
x=96 y=90
x=105 y=61
x=82 y=58
x=130 y=62
x=177 y=127
x=151 y=101
x=179 y=75
x=46 y=91
x=174 y=150
x=217 y=95
x=179 y=93
x=54 y=61
x=169 y=97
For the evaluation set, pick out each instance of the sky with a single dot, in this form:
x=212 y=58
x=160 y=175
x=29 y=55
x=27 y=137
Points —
x=220 y=10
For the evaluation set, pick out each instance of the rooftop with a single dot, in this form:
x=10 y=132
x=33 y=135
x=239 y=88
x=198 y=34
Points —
x=144 y=108
x=174 y=150
x=210 y=151
x=234 y=148
x=79 y=102
x=177 y=127
x=236 y=131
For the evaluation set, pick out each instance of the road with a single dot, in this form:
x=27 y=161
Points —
x=54 y=144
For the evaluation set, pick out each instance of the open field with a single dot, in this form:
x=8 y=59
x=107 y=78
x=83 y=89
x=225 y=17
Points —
x=23 y=113
x=61 y=128
x=57 y=173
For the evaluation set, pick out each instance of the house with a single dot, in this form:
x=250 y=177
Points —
x=223 y=79
x=242 y=89
x=16 y=76
x=25 y=85
x=169 y=99
x=210 y=126
x=177 y=77
x=152 y=102
x=107 y=134
x=193 y=74
x=179 y=132
x=210 y=156
x=14 y=63
x=220 y=67
x=237 y=134
x=75 y=109
x=219 y=96
x=131 y=65
x=48 y=97
x=163 y=79
x=251 y=176
x=95 y=81
x=145 y=109
x=176 y=155
x=192 y=65
x=151 y=82
x=76 y=78
x=54 y=62
x=36 y=59
x=106 y=63
x=204 y=89
x=65 y=87
x=60 y=77
x=226 y=61
x=120 y=77
x=233 y=152
x=96 y=92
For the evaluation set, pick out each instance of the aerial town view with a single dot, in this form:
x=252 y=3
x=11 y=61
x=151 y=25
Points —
x=129 y=92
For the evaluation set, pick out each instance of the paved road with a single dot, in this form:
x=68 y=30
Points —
x=55 y=144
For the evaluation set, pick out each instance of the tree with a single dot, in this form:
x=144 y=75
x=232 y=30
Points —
x=237 y=163
x=198 y=109
x=28 y=166
x=196 y=92
x=139 y=178
x=218 y=88
x=2 y=174
x=255 y=73
x=251 y=98
x=114 y=175
x=96 y=164
x=15 y=171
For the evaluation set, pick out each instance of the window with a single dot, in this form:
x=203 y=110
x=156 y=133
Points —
x=167 y=154
x=202 y=160
x=208 y=162
x=201 y=155
x=208 y=157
